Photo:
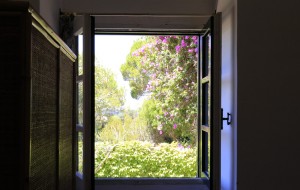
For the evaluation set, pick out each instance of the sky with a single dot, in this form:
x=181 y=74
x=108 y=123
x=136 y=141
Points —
x=111 y=52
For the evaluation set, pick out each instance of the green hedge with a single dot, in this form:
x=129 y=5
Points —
x=144 y=159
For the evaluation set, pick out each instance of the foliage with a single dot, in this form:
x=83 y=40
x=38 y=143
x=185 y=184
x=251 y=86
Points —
x=144 y=159
x=166 y=68
x=131 y=70
x=109 y=97
x=124 y=128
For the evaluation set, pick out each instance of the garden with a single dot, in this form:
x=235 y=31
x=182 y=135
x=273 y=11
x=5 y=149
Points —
x=160 y=138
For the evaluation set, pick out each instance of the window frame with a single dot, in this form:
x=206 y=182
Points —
x=163 y=182
x=205 y=183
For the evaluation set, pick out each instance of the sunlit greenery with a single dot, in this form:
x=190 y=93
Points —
x=165 y=68
x=144 y=159
x=159 y=139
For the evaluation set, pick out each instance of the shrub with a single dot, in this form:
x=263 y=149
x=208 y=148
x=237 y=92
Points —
x=144 y=159
x=124 y=129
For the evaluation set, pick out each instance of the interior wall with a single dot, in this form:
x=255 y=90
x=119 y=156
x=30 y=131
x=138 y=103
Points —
x=34 y=3
x=268 y=94
x=228 y=137
x=49 y=10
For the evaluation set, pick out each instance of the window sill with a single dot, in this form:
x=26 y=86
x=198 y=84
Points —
x=150 y=184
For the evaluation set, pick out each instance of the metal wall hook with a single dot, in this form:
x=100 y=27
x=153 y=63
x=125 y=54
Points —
x=228 y=118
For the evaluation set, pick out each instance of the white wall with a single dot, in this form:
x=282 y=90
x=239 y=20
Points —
x=268 y=44
x=228 y=134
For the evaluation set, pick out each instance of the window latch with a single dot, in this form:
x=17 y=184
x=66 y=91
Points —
x=228 y=118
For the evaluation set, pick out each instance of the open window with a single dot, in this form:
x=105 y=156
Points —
x=208 y=122
x=210 y=102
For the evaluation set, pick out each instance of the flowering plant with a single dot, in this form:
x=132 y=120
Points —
x=165 y=68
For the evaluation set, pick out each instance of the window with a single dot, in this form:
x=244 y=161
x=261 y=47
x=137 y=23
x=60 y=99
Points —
x=208 y=135
x=146 y=106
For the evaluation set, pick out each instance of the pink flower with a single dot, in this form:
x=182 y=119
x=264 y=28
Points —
x=159 y=127
x=186 y=37
x=183 y=44
x=166 y=113
x=160 y=132
x=153 y=76
x=175 y=126
x=161 y=37
x=190 y=50
x=165 y=40
x=177 y=48
x=135 y=53
x=180 y=147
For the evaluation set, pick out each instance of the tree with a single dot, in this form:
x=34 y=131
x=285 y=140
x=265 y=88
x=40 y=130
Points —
x=132 y=70
x=166 y=68
x=109 y=97
x=124 y=128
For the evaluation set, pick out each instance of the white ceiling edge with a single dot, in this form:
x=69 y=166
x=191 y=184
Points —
x=143 y=15
x=149 y=7
x=144 y=23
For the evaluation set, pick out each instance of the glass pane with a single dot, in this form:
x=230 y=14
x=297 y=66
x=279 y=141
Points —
x=80 y=103
x=209 y=53
x=80 y=55
x=206 y=56
x=80 y=152
x=205 y=146
x=205 y=104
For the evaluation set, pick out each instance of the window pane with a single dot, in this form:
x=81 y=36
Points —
x=80 y=55
x=80 y=103
x=80 y=152
x=209 y=53
x=206 y=56
x=205 y=104
x=205 y=145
